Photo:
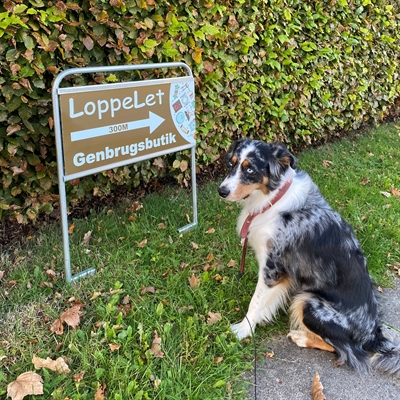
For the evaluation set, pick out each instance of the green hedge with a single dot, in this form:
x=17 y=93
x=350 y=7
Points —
x=292 y=70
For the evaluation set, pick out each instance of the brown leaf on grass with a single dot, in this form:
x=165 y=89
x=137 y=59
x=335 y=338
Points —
x=95 y=295
x=59 y=365
x=156 y=346
x=395 y=192
x=231 y=263
x=78 y=377
x=72 y=317
x=57 y=327
x=210 y=230
x=100 y=392
x=213 y=318
x=194 y=281
x=86 y=238
x=364 y=181
x=148 y=289
x=327 y=163
x=71 y=228
x=28 y=383
x=114 y=347
x=135 y=206
x=142 y=243
x=317 y=389
x=194 y=245
x=210 y=257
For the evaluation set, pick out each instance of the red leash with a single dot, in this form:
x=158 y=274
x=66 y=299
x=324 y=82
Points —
x=244 y=232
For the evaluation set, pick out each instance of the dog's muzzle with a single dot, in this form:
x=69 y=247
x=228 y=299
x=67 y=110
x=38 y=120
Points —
x=223 y=191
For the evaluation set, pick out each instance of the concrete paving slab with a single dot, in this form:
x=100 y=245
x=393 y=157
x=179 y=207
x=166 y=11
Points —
x=289 y=374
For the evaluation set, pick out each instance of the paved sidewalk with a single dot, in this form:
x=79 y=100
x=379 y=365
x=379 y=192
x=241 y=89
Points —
x=289 y=374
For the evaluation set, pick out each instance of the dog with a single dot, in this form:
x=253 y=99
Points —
x=307 y=253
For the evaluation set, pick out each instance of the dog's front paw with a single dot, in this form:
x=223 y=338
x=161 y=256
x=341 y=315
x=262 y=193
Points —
x=242 y=329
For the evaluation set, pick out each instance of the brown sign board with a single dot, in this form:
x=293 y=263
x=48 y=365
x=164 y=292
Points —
x=111 y=125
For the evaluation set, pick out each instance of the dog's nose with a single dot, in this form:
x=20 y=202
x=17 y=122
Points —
x=223 y=191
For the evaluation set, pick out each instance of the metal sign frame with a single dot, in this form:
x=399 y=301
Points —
x=63 y=177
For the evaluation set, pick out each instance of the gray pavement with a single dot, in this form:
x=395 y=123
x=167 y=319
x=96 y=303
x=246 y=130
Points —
x=289 y=374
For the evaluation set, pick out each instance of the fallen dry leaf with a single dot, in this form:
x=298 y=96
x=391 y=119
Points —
x=100 y=392
x=114 y=347
x=211 y=230
x=79 y=377
x=317 y=388
x=126 y=299
x=156 y=346
x=148 y=289
x=364 y=181
x=142 y=243
x=71 y=228
x=135 y=206
x=59 y=365
x=86 y=238
x=72 y=317
x=213 y=318
x=57 y=327
x=157 y=383
x=51 y=274
x=194 y=245
x=210 y=257
x=327 y=163
x=231 y=263
x=95 y=295
x=386 y=194
x=194 y=281
x=28 y=383
x=395 y=192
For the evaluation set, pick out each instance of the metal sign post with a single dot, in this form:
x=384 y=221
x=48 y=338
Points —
x=100 y=127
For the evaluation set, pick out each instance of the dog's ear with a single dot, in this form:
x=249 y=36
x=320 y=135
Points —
x=232 y=149
x=284 y=157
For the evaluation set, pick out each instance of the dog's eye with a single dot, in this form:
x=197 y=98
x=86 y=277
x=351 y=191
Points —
x=250 y=170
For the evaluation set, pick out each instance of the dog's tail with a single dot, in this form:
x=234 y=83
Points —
x=387 y=357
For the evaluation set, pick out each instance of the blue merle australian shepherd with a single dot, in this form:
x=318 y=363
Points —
x=308 y=253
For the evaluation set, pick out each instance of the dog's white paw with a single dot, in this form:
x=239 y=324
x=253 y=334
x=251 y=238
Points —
x=298 y=337
x=242 y=329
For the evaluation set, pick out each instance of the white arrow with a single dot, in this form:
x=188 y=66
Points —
x=153 y=122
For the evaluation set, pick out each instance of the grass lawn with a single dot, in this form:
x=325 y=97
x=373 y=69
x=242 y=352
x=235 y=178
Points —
x=153 y=322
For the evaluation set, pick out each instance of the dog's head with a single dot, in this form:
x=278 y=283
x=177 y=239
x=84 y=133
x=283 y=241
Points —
x=254 y=165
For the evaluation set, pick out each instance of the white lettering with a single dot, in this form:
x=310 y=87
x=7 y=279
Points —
x=135 y=95
x=87 y=107
x=79 y=159
x=72 y=110
x=102 y=110
x=112 y=106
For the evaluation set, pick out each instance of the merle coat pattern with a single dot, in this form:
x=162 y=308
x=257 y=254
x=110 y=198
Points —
x=306 y=253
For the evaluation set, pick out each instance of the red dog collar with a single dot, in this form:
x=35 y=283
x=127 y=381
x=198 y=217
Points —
x=244 y=232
